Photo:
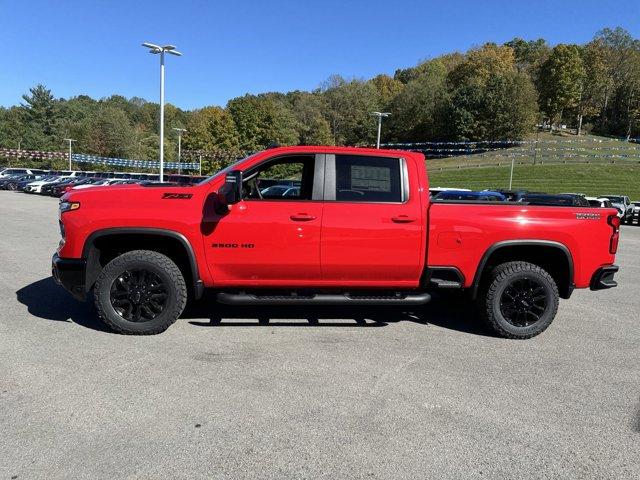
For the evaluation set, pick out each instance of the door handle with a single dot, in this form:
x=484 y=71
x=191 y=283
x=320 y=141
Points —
x=302 y=217
x=403 y=219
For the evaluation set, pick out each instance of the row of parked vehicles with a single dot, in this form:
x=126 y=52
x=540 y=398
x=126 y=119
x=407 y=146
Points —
x=56 y=183
x=628 y=211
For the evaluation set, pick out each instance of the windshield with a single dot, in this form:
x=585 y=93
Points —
x=223 y=171
x=614 y=199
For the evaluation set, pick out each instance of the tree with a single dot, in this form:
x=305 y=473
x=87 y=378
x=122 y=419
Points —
x=109 y=133
x=529 y=54
x=481 y=64
x=311 y=125
x=387 y=88
x=418 y=112
x=350 y=104
x=263 y=119
x=594 y=83
x=504 y=107
x=561 y=79
x=211 y=128
x=41 y=113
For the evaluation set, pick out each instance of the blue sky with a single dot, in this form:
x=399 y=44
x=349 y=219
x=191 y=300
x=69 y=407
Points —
x=236 y=47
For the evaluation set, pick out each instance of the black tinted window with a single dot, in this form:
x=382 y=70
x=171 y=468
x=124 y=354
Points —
x=368 y=179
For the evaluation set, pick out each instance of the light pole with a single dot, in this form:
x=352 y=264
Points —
x=70 y=140
x=180 y=132
x=379 y=115
x=155 y=49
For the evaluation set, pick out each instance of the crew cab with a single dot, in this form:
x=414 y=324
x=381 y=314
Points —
x=360 y=229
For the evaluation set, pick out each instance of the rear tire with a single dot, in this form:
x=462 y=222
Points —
x=141 y=292
x=519 y=300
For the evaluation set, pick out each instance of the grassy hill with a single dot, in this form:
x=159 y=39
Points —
x=562 y=164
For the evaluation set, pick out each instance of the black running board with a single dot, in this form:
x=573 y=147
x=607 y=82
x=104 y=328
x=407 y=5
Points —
x=323 y=299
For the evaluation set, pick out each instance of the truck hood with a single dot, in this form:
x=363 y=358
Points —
x=132 y=194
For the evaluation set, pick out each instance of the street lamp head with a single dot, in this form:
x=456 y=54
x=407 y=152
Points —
x=152 y=46
x=169 y=47
x=174 y=52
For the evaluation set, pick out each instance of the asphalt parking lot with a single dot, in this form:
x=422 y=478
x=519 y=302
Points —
x=359 y=394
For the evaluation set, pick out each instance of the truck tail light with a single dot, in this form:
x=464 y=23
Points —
x=614 y=221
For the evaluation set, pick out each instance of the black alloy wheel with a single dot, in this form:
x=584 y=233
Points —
x=523 y=302
x=138 y=295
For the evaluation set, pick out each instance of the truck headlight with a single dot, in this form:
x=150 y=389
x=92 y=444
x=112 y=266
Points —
x=67 y=206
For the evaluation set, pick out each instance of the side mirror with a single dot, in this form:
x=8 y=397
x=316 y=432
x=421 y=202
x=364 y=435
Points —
x=231 y=192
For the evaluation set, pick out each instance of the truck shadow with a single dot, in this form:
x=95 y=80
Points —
x=47 y=300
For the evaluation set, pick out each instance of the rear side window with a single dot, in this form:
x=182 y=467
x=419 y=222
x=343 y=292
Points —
x=368 y=179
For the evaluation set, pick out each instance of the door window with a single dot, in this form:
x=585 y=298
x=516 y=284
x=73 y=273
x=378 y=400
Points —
x=287 y=178
x=362 y=178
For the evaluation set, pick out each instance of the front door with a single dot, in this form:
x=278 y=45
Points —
x=373 y=224
x=272 y=236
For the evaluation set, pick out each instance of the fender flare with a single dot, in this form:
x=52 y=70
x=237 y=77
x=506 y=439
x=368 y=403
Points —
x=521 y=243
x=198 y=285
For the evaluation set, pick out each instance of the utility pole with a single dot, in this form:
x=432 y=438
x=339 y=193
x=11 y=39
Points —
x=70 y=140
x=155 y=49
x=379 y=115
x=180 y=132
x=513 y=161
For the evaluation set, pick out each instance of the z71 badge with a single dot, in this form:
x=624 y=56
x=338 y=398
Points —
x=177 y=196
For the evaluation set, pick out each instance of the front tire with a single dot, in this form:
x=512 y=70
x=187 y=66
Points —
x=519 y=300
x=141 y=292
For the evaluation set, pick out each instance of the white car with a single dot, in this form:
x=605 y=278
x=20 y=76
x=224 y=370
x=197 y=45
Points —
x=623 y=204
x=36 y=187
x=599 y=202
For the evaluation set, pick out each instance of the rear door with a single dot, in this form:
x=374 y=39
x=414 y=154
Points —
x=272 y=236
x=373 y=224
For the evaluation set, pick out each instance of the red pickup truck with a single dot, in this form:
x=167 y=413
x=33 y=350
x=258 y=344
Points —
x=325 y=225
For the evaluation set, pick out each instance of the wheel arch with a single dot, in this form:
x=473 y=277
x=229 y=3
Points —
x=554 y=257
x=103 y=245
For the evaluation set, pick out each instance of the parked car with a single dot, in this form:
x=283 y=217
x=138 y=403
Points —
x=433 y=191
x=278 y=191
x=636 y=212
x=462 y=195
x=19 y=171
x=61 y=188
x=36 y=187
x=511 y=195
x=599 y=202
x=558 y=200
x=46 y=188
x=623 y=204
x=9 y=178
x=16 y=183
x=362 y=232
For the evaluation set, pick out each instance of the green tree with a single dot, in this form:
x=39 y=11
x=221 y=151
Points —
x=211 y=128
x=418 y=112
x=41 y=114
x=561 y=79
x=350 y=104
x=263 y=119
x=311 y=125
x=109 y=133
x=503 y=107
